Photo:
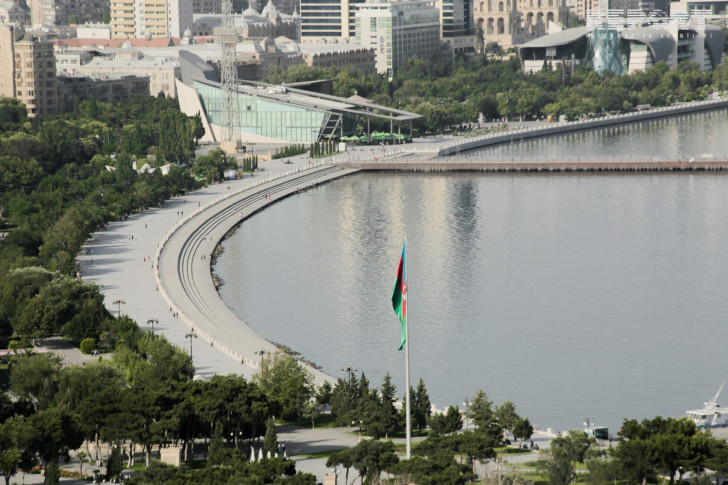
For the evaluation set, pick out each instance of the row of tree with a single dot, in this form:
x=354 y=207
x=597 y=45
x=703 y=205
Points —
x=647 y=450
x=63 y=177
x=448 y=95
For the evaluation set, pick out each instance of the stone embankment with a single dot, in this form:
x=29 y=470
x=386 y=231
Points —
x=182 y=273
x=560 y=165
x=457 y=146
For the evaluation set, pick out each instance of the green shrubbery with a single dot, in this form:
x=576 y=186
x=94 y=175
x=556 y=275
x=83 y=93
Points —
x=289 y=151
x=323 y=148
x=88 y=345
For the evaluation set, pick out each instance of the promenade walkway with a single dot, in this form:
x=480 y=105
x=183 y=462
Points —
x=155 y=266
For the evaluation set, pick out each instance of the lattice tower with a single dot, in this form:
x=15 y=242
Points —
x=228 y=38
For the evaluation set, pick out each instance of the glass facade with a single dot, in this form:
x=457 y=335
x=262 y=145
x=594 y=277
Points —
x=263 y=117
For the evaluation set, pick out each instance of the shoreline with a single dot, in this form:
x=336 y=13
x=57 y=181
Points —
x=117 y=261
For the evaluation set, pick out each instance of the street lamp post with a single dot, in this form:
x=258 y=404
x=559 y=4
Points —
x=152 y=321
x=467 y=412
x=119 y=302
x=349 y=371
x=190 y=336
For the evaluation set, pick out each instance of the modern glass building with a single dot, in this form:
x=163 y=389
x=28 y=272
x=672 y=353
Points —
x=285 y=114
x=265 y=117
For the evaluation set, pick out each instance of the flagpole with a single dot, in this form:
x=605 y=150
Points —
x=408 y=426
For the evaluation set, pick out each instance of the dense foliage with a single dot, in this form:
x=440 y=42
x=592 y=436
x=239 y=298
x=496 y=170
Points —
x=62 y=178
x=449 y=95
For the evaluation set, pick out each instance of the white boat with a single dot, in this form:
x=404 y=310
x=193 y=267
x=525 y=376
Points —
x=711 y=416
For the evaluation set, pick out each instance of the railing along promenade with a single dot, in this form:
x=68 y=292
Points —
x=182 y=273
x=490 y=139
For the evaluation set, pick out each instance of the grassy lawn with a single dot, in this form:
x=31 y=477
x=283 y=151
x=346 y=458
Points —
x=323 y=454
x=322 y=422
x=402 y=447
x=138 y=466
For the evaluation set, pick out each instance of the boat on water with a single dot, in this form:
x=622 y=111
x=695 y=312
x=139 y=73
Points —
x=711 y=415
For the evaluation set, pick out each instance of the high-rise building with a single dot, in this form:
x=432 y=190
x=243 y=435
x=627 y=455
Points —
x=456 y=17
x=456 y=25
x=65 y=12
x=328 y=19
x=31 y=77
x=397 y=31
x=150 y=18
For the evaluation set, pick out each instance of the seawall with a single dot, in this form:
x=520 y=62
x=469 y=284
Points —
x=458 y=146
x=444 y=165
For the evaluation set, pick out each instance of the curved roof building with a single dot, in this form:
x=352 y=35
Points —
x=631 y=48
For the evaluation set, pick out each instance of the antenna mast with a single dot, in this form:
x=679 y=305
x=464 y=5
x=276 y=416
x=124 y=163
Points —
x=228 y=38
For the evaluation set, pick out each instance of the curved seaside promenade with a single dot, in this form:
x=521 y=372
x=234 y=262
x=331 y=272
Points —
x=158 y=265
x=155 y=266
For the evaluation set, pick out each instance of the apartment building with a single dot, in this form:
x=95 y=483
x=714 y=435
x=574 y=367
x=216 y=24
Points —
x=31 y=77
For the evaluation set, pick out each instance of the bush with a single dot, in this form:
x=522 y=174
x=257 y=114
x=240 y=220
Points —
x=88 y=345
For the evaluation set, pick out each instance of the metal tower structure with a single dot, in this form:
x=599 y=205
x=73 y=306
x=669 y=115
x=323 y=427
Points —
x=228 y=38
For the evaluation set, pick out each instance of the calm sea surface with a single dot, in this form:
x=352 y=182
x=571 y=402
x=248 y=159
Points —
x=571 y=295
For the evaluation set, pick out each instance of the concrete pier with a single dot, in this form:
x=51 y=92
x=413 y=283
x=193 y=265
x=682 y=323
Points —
x=474 y=165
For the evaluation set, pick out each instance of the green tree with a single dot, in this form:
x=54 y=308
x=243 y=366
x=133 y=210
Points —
x=388 y=417
x=35 y=377
x=481 y=412
x=522 y=429
x=507 y=416
x=13 y=114
x=286 y=383
x=345 y=399
x=446 y=423
x=577 y=445
x=213 y=165
x=493 y=51
x=14 y=437
x=421 y=406
x=559 y=467
x=371 y=457
x=92 y=391
x=324 y=394
x=55 y=431
x=113 y=464
x=218 y=451
x=270 y=442
x=476 y=447
x=636 y=461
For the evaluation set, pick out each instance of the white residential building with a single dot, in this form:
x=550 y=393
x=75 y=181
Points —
x=150 y=18
x=398 y=31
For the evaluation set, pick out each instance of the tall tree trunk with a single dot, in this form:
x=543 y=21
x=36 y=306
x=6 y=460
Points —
x=147 y=454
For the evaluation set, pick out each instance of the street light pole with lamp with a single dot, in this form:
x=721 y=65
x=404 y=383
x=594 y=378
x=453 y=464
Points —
x=119 y=302
x=190 y=336
x=467 y=412
x=152 y=321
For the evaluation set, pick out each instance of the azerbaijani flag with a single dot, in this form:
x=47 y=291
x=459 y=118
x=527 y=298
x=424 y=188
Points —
x=399 y=294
